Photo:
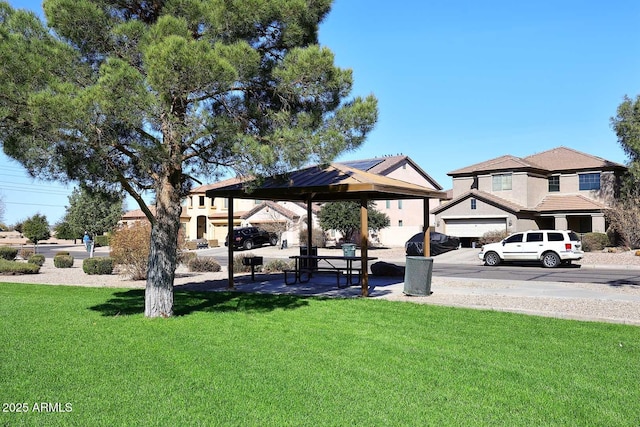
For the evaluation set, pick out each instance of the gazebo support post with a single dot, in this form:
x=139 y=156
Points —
x=309 y=224
x=427 y=229
x=364 y=246
x=230 y=243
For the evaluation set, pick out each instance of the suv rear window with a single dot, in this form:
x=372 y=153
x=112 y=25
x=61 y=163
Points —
x=557 y=237
x=573 y=237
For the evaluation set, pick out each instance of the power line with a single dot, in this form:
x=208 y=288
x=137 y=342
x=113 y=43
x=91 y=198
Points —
x=34 y=204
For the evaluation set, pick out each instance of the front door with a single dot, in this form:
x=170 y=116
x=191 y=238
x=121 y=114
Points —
x=512 y=247
x=201 y=231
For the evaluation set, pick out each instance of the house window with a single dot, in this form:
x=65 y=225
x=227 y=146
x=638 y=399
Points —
x=201 y=200
x=501 y=182
x=399 y=223
x=226 y=204
x=399 y=204
x=388 y=204
x=473 y=203
x=589 y=181
x=554 y=184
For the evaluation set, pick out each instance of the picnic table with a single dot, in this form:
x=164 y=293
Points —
x=307 y=265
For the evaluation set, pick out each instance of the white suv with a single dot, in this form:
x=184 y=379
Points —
x=551 y=247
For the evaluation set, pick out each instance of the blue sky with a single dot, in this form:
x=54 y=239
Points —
x=458 y=82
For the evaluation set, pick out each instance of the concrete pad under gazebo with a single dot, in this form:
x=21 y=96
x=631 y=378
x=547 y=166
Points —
x=336 y=182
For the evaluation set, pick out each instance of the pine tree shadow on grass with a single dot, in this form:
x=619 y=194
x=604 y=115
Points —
x=131 y=302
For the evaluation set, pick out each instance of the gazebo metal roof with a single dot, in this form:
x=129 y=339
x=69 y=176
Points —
x=332 y=183
x=336 y=182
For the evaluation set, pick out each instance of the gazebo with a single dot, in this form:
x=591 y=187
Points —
x=336 y=182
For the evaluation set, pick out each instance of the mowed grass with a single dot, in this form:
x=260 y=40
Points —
x=265 y=360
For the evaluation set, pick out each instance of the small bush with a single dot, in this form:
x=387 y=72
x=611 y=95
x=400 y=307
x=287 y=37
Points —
x=37 y=259
x=63 y=261
x=595 y=242
x=204 y=264
x=238 y=266
x=493 y=237
x=15 y=267
x=130 y=246
x=277 y=265
x=100 y=241
x=184 y=257
x=98 y=265
x=25 y=253
x=61 y=253
x=8 y=253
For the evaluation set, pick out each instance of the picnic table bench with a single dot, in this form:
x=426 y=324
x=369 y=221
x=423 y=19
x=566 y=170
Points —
x=308 y=265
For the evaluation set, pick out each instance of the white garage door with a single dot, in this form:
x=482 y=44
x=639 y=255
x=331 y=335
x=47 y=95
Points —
x=473 y=227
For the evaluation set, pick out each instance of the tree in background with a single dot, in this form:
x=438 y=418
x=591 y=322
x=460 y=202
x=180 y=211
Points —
x=93 y=210
x=145 y=95
x=64 y=230
x=624 y=216
x=626 y=125
x=345 y=218
x=36 y=229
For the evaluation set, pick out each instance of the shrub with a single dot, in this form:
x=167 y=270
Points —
x=203 y=264
x=37 y=259
x=98 y=265
x=61 y=253
x=238 y=266
x=25 y=253
x=130 y=249
x=15 y=267
x=318 y=237
x=63 y=261
x=184 y=257
x=101 y=241
x=595 y=242
x=493 y=236
x=8 y=253
x=277 y=265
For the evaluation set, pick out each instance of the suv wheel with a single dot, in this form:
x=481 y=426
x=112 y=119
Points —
x=550 y=260
x=491 y=259
x=248 y=244
x=273 y=241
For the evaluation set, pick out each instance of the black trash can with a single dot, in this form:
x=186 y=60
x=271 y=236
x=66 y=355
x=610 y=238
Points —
x=309 y=264
x=417 y=276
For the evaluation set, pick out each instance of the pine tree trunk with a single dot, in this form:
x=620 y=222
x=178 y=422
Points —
x=163 y=253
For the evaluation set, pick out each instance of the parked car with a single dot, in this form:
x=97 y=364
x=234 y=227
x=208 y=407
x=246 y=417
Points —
x=250 y=237
x=550 y=247
x=439 y=243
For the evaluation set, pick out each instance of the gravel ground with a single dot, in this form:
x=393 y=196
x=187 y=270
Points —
x=618 y=304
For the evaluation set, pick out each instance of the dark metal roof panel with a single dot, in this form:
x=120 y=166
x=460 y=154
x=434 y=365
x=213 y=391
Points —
x=334 y=182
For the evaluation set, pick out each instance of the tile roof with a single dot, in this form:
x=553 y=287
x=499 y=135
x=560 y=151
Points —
x=272 y=205
x=563 y=158
x=137 y=214
x=385 y=165
x=484 y=196
x=554 y=160
x=568 y=203
x=507 y=162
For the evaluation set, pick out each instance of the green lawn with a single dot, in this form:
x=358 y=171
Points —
x=264 y=360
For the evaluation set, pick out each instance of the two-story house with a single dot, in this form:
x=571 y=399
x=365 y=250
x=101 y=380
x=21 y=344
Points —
x=560 y=188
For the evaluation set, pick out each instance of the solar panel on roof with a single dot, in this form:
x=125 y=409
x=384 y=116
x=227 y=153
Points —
x=363 y=165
